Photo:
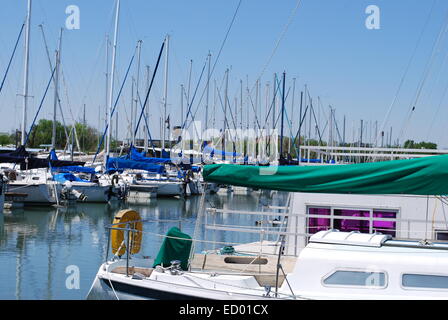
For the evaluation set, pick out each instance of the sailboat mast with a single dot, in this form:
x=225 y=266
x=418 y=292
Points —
x=225 y=117
x=208 y=92
x=112 y=76
x=56 y=91
x=165 y=98
x=26 y=72
x=283 y=115
x=146 y=145
x=134 y=120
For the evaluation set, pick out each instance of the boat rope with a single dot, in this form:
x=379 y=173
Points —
x=40 y=107
x=113 y=110
x=394 y=101
x=217 y=58
x=431 y=127
x=199 y=241
x=426 y=73
x=12 y=57
x=149 y=90
x=113 y=289
x=279 y=40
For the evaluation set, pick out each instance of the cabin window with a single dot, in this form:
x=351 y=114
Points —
x=424 y=281
x=441 y=235
x=356 y=279
x=349 y=219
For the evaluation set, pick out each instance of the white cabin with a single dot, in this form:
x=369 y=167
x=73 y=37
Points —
x=341 y=265
x=401 y=216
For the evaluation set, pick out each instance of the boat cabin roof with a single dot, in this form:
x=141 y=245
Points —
x=377 y=240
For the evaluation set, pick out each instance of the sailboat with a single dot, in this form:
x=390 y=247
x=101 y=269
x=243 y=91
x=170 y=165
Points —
x=356 y=264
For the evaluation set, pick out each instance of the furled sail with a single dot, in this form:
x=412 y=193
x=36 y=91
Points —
x=423 y=176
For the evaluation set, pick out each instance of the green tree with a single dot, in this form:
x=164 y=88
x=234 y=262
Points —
x=6 y=139
x=411 y=144
x=42 y=134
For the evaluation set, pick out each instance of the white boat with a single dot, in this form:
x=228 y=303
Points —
x=164 y=187
x=141 y=194
x=369 y=259
x=33 y=183
x=334 y=265
x=99 y=190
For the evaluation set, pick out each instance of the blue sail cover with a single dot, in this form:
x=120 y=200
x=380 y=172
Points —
x=76 y=169
x=120 y=164
x=64 y=177
x=213 y=152
x=137 y=156
x=53 y=155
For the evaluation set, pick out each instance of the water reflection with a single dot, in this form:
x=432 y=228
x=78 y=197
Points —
x=38 y=244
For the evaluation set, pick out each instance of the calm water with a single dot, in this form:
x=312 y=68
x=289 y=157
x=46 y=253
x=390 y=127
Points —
x=38 y=244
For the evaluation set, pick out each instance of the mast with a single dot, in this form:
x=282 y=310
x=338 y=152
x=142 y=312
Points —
x=131 y=136
x=225 y=117
x=208 y=92
x=56 y=91
x=182 y=105
x=283 y=115
x=299 y=156
x=84 y=122
x=26 y=73
x=146 y=146
x=292 y=111
x=134 y=113
x=112 y=76
x=167 y=44
x=274 y=100
x=107 y=84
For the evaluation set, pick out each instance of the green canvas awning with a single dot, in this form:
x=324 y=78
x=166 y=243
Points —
x=423 y=176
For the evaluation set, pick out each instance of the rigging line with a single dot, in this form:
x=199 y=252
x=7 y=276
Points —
x=113 y=109
x=280 y=39
x=438 y=110
x=190 y=103
x=427 y=71
x=268 y=115
x=149 y=89
x=301 y=123
x=220 y=50
x=394 y=101
x=146 y=123
x=12 y=57
x=54 y=80
x=337 y=128
x=94 y=72
x=40 y=107
x=231 y=114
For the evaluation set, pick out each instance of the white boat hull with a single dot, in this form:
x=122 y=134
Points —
x=38 y=194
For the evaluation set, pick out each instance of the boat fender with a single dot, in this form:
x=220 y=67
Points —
x=126 y=219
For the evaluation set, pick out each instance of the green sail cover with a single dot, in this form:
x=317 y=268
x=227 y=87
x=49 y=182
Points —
x=424 y=176
x=174 y=248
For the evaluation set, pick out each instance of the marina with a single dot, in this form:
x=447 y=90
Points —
x=153 y=158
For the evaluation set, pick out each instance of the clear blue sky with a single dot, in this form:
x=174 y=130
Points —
x=327 y=47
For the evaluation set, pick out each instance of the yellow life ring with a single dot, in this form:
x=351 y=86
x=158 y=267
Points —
x=124 y=219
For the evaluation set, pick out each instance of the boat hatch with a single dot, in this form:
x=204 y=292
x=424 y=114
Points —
x=350 y=238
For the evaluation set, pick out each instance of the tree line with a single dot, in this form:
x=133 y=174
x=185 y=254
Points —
x=84 y=135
